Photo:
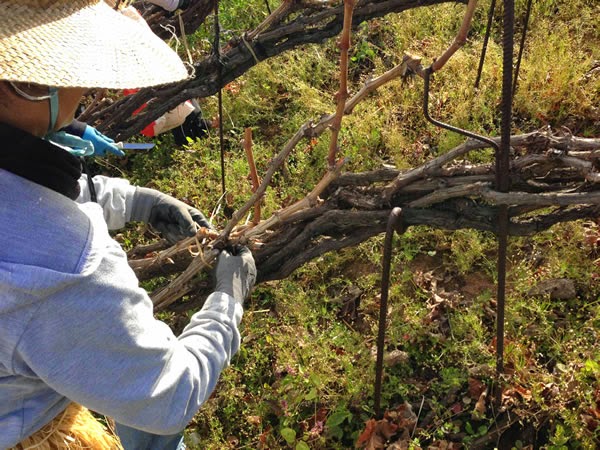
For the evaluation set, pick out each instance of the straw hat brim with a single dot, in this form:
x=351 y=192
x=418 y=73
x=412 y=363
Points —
x=81 y=43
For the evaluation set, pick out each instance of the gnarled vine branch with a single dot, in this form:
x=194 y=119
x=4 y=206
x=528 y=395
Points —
x=548 y=188
x=302 y=23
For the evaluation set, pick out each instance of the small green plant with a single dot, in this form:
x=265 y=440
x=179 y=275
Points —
x=303 y=377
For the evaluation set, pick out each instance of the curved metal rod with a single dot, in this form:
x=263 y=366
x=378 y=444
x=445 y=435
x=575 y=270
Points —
x=426 y=75
x=502 y=168
x=394 y=224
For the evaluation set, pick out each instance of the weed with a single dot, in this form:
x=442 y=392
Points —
x=303 y=377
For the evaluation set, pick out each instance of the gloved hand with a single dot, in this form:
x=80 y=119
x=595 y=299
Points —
x=102 y=143
x=172 y=218
x=235 y=273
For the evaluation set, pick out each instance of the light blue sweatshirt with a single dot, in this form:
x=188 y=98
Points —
x=75 y=325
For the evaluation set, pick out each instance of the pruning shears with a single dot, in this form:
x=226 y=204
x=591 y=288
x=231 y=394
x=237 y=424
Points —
x=134 y=145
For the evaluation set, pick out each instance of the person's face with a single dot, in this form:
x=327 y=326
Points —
x=34 y=116
x=68 y=101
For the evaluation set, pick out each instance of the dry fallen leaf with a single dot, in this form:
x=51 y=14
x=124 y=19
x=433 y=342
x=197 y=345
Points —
x=439 y=445
x=367 y=432
x=476 y=387
x=395 y=357
x=254 y=420
x=479 y=409
x=397 y=423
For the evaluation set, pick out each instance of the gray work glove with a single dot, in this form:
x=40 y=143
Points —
x=172 y=218
x=235 y=273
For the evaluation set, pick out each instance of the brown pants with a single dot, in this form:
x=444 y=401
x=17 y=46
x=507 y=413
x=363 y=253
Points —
x=73 y=429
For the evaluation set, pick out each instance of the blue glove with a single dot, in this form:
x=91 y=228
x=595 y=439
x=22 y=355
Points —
x=102 y=144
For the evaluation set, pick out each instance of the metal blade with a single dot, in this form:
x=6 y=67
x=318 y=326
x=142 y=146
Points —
x=135 y=145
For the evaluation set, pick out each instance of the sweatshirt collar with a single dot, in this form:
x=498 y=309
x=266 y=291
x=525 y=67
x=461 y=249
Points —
x=39 y=161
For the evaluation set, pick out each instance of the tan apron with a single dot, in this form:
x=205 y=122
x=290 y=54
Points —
x=73 y=429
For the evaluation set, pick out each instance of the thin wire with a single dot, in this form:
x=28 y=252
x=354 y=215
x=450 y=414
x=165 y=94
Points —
x=521 y=46
x=217 y=53
x=486 y=38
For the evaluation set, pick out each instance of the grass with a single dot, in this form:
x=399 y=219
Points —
x=304 y=375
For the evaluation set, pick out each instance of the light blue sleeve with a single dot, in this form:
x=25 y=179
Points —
x=114 y=195
x=94 y=339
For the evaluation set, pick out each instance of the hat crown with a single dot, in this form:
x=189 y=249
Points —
x=82 y=43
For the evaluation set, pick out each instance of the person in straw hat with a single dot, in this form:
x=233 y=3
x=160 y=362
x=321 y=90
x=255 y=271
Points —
x=76 y=330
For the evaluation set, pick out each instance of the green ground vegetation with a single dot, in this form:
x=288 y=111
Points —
x=303 y=378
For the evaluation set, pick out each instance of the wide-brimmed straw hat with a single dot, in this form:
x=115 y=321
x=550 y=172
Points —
x=81 y=43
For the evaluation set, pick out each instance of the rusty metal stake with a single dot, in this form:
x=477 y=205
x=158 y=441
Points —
x=394 y=224
x=502 y=168
x=503 y=184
